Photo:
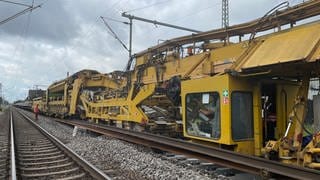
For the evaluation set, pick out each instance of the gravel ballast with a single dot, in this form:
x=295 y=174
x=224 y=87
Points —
x=121 y=159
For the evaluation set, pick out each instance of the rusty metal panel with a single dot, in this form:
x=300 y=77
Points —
x=290 y=45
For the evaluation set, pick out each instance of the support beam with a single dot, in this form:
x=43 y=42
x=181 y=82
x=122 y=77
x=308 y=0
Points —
x=158 y=23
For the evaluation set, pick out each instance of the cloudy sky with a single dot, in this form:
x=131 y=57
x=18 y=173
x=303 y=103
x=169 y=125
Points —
x=63 y=36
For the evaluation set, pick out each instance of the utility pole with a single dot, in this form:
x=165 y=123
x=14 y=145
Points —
x=225 y=14
x=225 y=18
x=130 y=46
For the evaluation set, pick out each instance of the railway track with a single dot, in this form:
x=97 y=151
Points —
x=39 y=155
x=244 y=163
x=4 y=145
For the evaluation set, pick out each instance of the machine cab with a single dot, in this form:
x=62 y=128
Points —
x=236 y=113
x=219 y=109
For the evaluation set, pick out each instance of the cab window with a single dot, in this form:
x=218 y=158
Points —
x=241 y=115
x=203 y=115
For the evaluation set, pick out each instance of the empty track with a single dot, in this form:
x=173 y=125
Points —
x=39 y=155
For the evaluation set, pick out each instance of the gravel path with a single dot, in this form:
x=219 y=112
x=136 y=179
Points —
x=121 y=159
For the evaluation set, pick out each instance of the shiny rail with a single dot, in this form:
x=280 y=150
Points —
x=46 y=157
x=12 y=151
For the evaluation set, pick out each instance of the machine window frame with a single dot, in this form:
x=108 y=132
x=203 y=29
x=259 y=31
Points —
x=252 y=117
x=219 y=119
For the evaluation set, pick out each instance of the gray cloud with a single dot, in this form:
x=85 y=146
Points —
x=67 y=35
x=52 y=22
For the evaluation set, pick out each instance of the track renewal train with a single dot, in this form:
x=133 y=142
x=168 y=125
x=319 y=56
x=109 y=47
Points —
x=249 y=96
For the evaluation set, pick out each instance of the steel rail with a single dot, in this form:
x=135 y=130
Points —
x=250 y=164
x=95 y=172
x=12 y=150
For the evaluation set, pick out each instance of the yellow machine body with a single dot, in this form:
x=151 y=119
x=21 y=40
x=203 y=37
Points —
x=224 y=86
x=278 y=67
x=249 y=97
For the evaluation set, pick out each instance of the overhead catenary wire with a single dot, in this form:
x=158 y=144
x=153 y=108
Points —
x=115 y=8
x=24 y=30
x=114 y=5
x=24 y=33
x=91 y=30
x=115 y=20
x=19 y=14
x=113 y=33
x=148 y=6
x=195 y=12
x=27 y=27
x=16 y=3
